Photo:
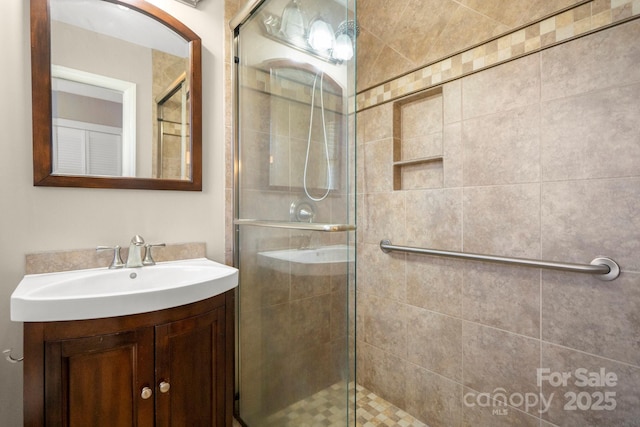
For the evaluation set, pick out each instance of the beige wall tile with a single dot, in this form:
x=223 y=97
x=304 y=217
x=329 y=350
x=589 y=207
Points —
x=385 y=324
x=378 y=166
x=435 y=284
x=488 y=360
x=422 y=117
x=585 y=64
x=493 y=118
x=382 y=372
x=502 y=220
x=423 y=175
x=385 y=217
x=465 y=27
x=381 y=16
x=434 y=342
x=389 y=63
x=502 y=148
x=275 y=323
x=503 y=297
x=377 y=122
x=256 y=109
x=511 y=85
x=578 y=225
x=255 y=151
x=432 y=398
x=267 y=205
x=426 y=145
x=360 y=171
x=513 y=14
x=368 y=49
x=339 y=311
x=452 y=101
x=307 y=286
x=593 y=316
x=594 y=135
x=452 y=151
x=266 y=287
x=421 y=23
x=434 y=219
x=379 y=273
x=627 y=394
x=310 y=322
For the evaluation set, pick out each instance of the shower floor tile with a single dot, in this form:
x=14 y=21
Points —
x=327 y=409
x=372 y=411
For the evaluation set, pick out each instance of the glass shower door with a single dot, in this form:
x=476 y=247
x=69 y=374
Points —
x=294 y=221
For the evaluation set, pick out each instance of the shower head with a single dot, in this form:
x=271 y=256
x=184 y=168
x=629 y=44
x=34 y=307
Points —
x=350 y=28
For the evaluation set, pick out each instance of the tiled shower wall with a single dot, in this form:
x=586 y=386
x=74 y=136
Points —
x=541 y=159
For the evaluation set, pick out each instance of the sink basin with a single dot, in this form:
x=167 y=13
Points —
x=308 y=262
x=96 y=293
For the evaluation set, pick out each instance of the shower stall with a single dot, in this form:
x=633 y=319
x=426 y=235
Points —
x=498 y=190
x=294 y=212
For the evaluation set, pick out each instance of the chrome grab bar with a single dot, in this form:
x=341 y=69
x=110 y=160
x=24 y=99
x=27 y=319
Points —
x=311 y=226
x=605 y=268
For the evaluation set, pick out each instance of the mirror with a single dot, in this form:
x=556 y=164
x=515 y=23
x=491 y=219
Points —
x=116 y=96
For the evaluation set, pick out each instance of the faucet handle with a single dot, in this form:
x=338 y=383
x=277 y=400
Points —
x=148 y=259
x=117 y=260
x=137 y=240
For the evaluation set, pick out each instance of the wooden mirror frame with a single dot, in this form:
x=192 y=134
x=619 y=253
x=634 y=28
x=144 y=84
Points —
x=42 y=109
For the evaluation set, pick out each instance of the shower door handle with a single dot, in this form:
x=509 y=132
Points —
x=310 y=226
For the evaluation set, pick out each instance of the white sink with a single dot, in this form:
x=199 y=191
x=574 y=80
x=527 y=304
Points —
x=96 y=293
x=308 y=262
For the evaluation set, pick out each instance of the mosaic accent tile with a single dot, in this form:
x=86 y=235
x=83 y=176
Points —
x=327 y=408
x=560 y=28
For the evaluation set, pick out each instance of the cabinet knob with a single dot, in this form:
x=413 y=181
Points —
x=146 y=393
x=164 y=387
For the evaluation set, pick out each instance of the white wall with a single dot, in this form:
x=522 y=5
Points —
x=36 y=219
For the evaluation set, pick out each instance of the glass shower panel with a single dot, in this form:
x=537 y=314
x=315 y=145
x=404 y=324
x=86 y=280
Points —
x=295 y=221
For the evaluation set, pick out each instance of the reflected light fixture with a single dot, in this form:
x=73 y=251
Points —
x=321 y=37
x=293 y=22
x=346 y=36
x=343 y=51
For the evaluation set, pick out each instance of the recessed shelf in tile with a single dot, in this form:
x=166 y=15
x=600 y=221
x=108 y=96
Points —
x=417 y=140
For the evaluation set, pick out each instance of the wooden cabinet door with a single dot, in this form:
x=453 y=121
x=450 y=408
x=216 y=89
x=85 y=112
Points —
x=190 y=367
x=97 y=381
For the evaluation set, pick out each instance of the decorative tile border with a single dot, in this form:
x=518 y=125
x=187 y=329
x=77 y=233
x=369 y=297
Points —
x=559 y=28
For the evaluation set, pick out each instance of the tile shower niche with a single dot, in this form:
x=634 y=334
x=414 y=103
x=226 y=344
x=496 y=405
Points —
x=417 y=141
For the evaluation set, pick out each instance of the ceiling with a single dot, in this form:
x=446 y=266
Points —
x=119 y=22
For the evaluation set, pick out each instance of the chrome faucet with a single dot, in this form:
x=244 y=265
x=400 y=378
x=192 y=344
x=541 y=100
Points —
x=134 y=258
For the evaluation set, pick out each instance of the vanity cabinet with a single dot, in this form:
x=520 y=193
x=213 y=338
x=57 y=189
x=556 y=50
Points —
x=171 y=367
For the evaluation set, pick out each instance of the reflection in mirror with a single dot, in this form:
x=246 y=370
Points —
x=93 y=129
x=124 y=90
x=172 y=133
x=308 y=115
